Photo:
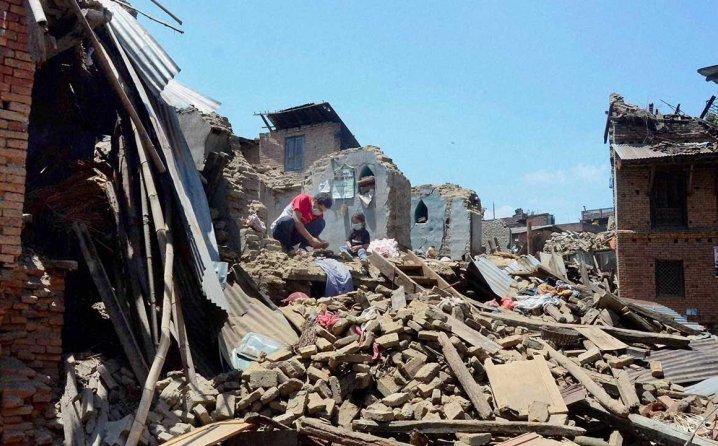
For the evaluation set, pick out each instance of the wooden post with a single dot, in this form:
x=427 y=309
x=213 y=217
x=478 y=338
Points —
x=528 y=238
x=581 y=376
x=148 y=256
x=472 y=389
x=113 y=78
x=107 y=294
x=148 y=391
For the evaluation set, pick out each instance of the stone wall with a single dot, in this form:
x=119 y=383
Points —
x=17 y=71
x=453 y=225
x=388 y=214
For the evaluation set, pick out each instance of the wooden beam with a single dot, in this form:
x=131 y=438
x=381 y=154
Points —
x=463 y=375
x=468 y=427
x=621 y=333
x=337 y=435
x=581 y=376
x=119 y=321
x=394 y=274
x=113 y=78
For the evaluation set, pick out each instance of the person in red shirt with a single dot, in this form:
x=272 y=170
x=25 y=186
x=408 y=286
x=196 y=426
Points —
x=301 y=222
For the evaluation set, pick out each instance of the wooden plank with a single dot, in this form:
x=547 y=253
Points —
x=517 y=384
x=463 y=375
x=338 y=435
x=627 y=389
x=393 y=273
x=469 y=427
x=581 y=376
x=664 y=434
x=210 y=434
x=604 y=341
x=430 y=273
x=119 y=321
x=621 y=333
x=472 y=336
x=72 y=427
x=533 y=439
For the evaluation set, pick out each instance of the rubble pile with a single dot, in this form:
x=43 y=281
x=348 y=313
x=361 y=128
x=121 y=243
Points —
x=384 y=363
x=571 y=242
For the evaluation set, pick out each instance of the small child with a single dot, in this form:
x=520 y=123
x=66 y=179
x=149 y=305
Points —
x=358 y=240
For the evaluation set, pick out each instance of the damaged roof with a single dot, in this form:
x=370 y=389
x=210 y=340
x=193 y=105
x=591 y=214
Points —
x=307 y=114
x=636 y=134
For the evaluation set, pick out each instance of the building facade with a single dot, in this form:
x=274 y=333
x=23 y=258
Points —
x=301 y=135
x=666 y=208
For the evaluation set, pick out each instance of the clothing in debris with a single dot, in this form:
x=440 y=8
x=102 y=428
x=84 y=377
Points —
x=339 y=278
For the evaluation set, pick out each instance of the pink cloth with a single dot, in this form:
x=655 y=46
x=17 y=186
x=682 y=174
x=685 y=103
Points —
x=294 y=296
x=508 y=303
x=376 y=351
x=327 y=319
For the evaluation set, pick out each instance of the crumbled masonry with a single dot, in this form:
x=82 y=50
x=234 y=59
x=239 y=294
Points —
x=143 y=299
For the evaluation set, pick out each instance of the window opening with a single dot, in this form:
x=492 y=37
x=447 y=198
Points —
x=668 y=200
x=669 y=278
x=421 y=213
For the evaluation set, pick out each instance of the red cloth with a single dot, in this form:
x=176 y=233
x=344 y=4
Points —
x=508 y=303
x=303 y=204
x=327 y=319
x=376 y=352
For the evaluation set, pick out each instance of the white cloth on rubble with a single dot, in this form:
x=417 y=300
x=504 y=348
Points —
x=386 y=247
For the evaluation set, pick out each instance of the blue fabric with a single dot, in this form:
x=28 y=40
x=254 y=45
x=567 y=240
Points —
x=339 y=278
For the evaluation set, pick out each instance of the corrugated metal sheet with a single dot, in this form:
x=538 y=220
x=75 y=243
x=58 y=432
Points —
x=685 y=366
x=706 y=387
x=497 y=279
x=523 y=265
x=662 y=309
x=631 y=152
x=181 y=96
x=154 y=65
x=247 y=314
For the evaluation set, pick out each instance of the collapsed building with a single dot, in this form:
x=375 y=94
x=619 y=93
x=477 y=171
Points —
x=447 y=218
x=140 y=306
x=666 y=209
x=362 y=180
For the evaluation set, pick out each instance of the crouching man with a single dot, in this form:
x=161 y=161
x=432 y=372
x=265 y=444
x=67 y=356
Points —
x=301 y=222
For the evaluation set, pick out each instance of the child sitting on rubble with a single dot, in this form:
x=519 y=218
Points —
x=358 y=240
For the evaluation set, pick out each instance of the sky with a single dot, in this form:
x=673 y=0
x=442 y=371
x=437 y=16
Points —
x=505 y=98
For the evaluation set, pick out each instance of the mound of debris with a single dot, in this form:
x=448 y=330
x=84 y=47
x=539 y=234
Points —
x=571 y=242
x=388 y=367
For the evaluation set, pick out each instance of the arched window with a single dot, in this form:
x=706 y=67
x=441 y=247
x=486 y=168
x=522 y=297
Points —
x=421 y=213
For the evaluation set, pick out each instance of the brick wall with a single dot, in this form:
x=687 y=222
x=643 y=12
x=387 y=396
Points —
x=17 y=70
x=319 y=140
x=639 y=246
x=31 y=318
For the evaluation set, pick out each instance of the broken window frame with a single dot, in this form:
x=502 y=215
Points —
x=669 y=199
x=668 y=287
x=294 y=153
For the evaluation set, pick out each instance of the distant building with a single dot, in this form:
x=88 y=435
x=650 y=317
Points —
x=665 y=187
x=447 y=217
x=299 y=136
x=497 y=233
x=597 y=217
